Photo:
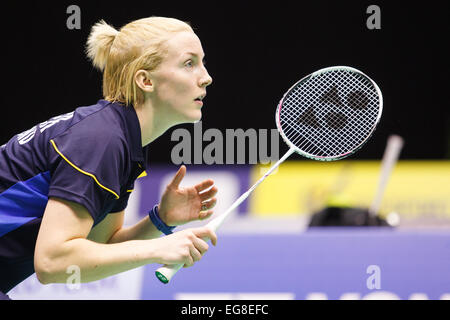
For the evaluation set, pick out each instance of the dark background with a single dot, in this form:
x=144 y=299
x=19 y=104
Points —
x=255 y=51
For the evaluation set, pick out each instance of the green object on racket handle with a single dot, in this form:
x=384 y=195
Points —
x=166 y=272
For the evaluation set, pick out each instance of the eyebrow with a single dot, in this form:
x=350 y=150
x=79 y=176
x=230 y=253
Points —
x=195 y=55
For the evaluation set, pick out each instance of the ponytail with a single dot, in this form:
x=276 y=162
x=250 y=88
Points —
x=99 y=43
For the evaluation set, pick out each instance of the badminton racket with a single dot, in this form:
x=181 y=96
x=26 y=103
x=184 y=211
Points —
x=326 y=116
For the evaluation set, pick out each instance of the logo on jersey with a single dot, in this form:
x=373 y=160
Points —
x=26 y=136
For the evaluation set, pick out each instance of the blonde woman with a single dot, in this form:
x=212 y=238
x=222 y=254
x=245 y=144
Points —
x=65 y=183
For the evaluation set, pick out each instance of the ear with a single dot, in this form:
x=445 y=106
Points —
x=143 y=80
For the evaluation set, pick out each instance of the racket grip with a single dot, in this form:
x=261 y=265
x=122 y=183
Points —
x=165 y=273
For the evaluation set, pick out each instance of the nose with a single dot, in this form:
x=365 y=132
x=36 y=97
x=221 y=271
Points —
x=205 y=80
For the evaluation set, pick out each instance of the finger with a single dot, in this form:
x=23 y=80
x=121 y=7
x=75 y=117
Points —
x=189 y=262
x=208 y=194
x=205 y=214
x=209 y=204
x=201 y=246
x=196 y=254
x=206 y=232
x=202 y=186
x=178 y=177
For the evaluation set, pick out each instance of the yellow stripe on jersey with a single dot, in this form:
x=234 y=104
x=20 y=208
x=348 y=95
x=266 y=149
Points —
x=143 y=174
x=82 y=171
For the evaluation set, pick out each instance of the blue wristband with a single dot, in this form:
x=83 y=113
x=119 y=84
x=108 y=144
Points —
x=159 y=224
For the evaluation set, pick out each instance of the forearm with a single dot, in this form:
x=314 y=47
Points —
x=95 y=260
x=143 y=230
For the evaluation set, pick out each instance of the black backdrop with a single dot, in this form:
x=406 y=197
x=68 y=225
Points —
x=254 y=52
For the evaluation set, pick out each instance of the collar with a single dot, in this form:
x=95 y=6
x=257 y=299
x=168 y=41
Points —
x=132 y=130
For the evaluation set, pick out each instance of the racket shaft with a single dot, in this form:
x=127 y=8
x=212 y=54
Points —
x=166 y=272
x=390 y=157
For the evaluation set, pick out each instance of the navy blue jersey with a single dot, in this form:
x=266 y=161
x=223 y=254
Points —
x=91 y=156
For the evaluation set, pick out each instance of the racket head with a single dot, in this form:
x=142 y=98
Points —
x=330 y=114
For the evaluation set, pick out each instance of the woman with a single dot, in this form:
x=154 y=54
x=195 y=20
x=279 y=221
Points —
x=65 y=183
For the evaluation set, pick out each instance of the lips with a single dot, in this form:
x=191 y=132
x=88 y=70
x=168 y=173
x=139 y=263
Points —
x=200 y=97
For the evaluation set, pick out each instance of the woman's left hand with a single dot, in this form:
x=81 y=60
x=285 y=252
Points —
x=181 y=205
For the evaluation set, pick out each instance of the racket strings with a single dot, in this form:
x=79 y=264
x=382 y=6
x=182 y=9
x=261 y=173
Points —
x=330 y=114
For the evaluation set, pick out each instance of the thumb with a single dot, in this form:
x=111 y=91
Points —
x=178 y=177
x=206 y=233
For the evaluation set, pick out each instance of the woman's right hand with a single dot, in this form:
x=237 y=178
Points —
x=184 y=247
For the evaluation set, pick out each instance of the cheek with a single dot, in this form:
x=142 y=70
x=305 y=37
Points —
x=175 y=89
x=182 y=87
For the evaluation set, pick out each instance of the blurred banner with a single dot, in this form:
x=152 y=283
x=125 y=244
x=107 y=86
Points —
x=320 y=264
x=416 y=189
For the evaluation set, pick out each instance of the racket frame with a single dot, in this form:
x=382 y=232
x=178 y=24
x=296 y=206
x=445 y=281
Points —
x=315 y=74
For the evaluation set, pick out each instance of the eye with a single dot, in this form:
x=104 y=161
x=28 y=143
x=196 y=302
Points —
x=189 y=63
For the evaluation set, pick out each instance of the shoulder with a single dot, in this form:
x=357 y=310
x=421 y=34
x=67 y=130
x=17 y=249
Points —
x=92 y=140
x=98 y=124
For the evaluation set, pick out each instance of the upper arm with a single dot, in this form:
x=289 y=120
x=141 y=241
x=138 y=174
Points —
x=104 y=231
x=90 y=174
x=62 y=221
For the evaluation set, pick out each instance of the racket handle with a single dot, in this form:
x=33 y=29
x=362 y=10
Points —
x=166 y=272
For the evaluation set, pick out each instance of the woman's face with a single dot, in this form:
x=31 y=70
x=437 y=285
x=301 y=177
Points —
x=181 y=79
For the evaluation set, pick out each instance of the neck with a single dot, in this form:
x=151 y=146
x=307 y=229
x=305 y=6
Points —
x=151 y=121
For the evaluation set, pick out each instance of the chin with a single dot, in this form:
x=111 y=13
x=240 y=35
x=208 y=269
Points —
x=194 y=117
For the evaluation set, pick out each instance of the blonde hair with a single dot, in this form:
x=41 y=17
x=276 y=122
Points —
x=120 y=54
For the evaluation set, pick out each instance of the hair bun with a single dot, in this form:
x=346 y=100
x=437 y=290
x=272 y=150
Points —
x=99 y=43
